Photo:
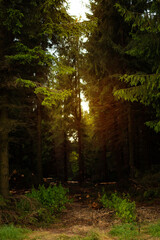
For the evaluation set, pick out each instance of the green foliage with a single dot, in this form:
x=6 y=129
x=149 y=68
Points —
x=44 y=216
x=73 y=159
x=151 y=178
x=30 y=211
x=10 y=232
x=155 y=125
x=52 y=96
x=150 y=194
x=144 y=88
x=2 y=202
x=154 y=230
x=150 y=182
x=25 y=83
x=13 y=20
x=124 y=208
x=53 y=198
x=143 y=20
x=24 y=205
x=62 y=69
x=40 y=207
x=125 y=232
x=35 y=56
x=144 y=47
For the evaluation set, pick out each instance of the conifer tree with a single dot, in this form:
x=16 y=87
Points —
x=107 y=60
x=70 y=54
x=27 y=30
x=143 y=81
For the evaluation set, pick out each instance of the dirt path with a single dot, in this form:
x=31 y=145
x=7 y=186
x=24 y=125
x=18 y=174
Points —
x=78 y=219
x=85 y=215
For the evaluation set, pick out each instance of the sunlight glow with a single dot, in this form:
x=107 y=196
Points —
x=78 y=8
x=84 y=104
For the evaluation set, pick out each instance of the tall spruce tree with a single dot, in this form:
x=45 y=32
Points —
x=107 y=59
x=70 y=53
x=27 y=30
x=144 y=80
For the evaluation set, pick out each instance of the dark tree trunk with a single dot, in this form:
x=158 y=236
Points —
x=131 y=142
x=104 y=155
x=54 y=161
x=81 y=160
x=4 y=162
x=65 y=157
x=79 y=116
x=39 y=144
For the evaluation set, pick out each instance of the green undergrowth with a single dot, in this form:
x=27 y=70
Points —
x=131 y=231
x=53 y=198
x=10 y=232
x=154 y=229
x=125 y=231
x=38 y=208
x=89 y=236
x=124 y=208
x=146 y=187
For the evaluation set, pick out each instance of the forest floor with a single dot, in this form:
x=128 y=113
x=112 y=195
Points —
x=84 y=215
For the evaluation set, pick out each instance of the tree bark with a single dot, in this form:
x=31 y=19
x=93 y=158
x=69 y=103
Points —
x=65 y=157
x=4 y=162
x=39 y=144
x=80 y=158
x=131 y=142
x=79 y=129
x=105 y=164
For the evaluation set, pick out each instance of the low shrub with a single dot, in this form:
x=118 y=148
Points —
x=38 y=208
x=25 y=205
x=25 y=211
x=150 y=179
x=2 y=202
x=124 y=208
x=54 y=198
x=150 y=194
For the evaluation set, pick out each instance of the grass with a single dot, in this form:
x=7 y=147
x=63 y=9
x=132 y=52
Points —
x=154 y=229
x=125 y=232
x=90 y=236
x=10 y=232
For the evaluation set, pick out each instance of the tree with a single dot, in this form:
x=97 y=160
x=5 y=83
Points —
x=70 y=53
x=143 y=83
x=108 y=58
x=27 y=30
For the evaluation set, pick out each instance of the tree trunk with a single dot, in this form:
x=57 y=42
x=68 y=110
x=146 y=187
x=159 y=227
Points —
x=53 y=169
x=39 y=144
x=131 y=142
x=105 y=164
x=104 y=168
x=4 y=162
x=65 y=158
x=79 y=115
x=81 y=160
